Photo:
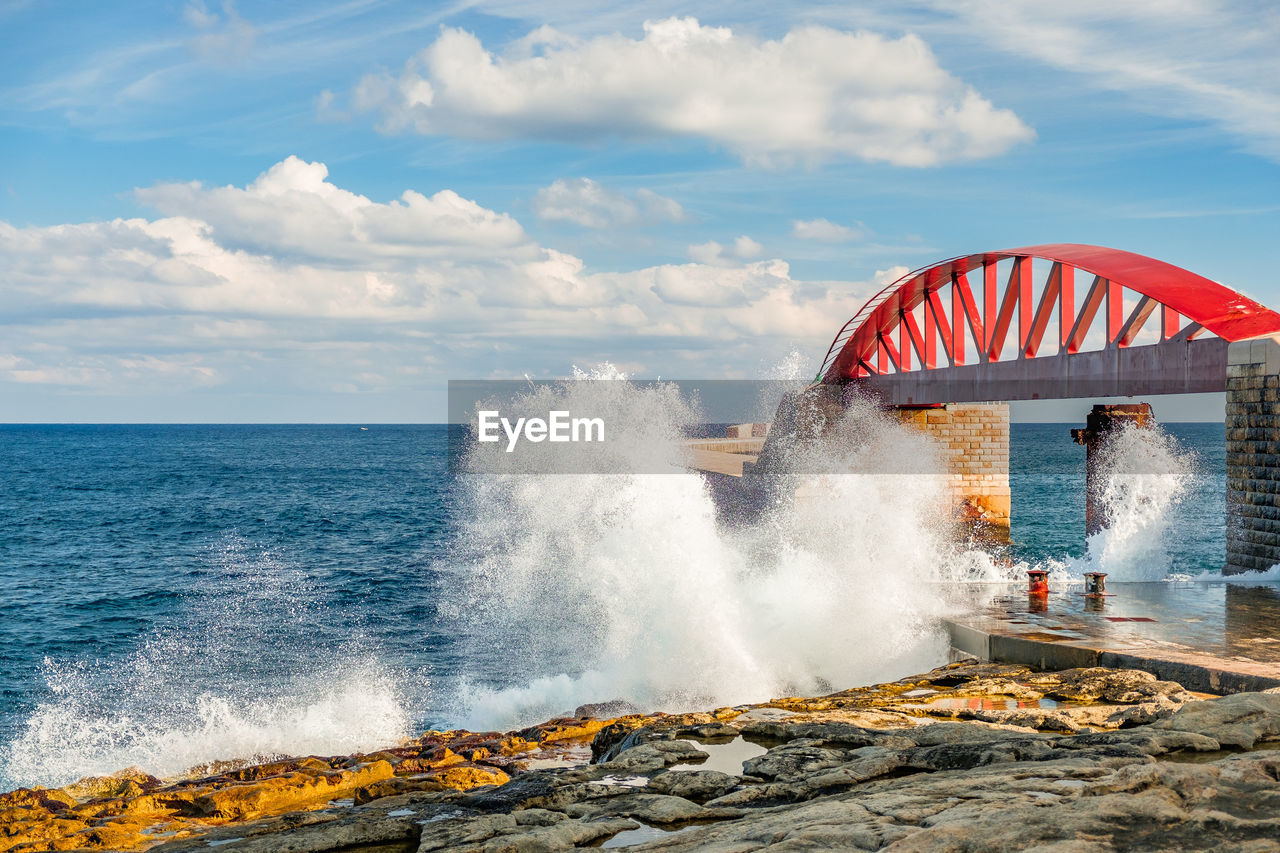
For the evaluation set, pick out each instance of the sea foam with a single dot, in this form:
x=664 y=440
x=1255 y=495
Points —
x=239 y=674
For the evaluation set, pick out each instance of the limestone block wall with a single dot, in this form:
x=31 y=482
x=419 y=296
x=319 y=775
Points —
x=1253 y=456
x=975 y=437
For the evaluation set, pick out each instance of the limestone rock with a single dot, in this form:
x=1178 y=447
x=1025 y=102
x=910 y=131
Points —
x=695 y=785
x=605 y=710
x=655 y=756
x=278 y=793
x=504 y=834
x=125 y=783
x=457 y=777
x=1242 y=720
x=650 y=808
x=794 y=760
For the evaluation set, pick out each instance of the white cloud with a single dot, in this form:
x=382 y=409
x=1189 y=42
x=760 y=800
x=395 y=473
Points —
x=707 y=286
x=591 y=205
x=715 y=254
x=328 y=288
x=744 y=247
x=293 y=210
x=814 y=94
x=823 y=230
x=710 y=252
x=223 y=38
x=1197 y=59
x=102 y=371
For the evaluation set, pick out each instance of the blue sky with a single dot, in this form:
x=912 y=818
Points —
x=316 y=211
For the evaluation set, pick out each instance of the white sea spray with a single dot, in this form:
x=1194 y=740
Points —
x=236 y=676
x=589 y=587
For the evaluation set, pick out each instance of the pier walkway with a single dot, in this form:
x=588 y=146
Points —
x=1210 y=636
x=722 y=455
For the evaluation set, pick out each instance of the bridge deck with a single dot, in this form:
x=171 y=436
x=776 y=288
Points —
x=1214 y=636
x=1185 y=367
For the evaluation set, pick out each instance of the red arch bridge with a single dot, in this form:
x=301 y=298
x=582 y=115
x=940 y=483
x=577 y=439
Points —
x=1044 y=322
x=950 y=344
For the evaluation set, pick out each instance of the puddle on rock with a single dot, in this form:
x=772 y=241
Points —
x=725 y=757
x=642 y=835
x=557 y=756
x=764 y=715
x=222 y=841
x=1186 y=756
x=988 y=703
x=625 y=781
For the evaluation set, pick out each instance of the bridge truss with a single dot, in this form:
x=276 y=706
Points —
x=1060 y=320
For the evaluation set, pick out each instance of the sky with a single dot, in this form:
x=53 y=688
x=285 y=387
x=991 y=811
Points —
x=315 y=211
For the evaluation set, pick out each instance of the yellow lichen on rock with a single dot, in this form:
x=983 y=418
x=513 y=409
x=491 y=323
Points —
x=289 y=791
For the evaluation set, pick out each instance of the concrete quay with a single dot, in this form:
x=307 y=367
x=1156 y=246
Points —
x=1210 y=636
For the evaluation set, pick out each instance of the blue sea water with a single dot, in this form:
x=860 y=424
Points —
x=301 y=572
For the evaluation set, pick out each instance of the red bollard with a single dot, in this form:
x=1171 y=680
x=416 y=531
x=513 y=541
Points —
x=1037 y=590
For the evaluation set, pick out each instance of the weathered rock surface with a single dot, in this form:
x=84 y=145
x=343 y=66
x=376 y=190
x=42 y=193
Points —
x=695 y=785
x=1125 y=762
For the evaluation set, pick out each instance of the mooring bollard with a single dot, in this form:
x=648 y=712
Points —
x=1095 y=584
x=1038 y=581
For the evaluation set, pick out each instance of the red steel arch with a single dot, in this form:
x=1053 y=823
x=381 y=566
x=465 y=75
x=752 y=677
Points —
x=865 y=345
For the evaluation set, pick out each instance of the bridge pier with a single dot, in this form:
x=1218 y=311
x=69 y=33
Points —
x=1098 y=425
x=975 y=439
x=1253 y=455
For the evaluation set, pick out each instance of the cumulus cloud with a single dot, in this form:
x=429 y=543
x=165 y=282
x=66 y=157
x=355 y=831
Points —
x=293 y=210
x=814 y=94
x=591 y=205
x=292 y=269
x=715 y=254
x=744 y=247
x=823 y=230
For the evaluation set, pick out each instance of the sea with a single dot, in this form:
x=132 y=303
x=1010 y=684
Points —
x=176 y=595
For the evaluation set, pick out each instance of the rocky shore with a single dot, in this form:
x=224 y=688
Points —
x=967 y=757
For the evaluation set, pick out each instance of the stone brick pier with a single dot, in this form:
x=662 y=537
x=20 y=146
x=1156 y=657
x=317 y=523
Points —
x=975 y=437
x=1253 y=456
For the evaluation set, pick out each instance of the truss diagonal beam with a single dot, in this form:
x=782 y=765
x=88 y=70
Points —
x=1092 y=302
x=1146 y=305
